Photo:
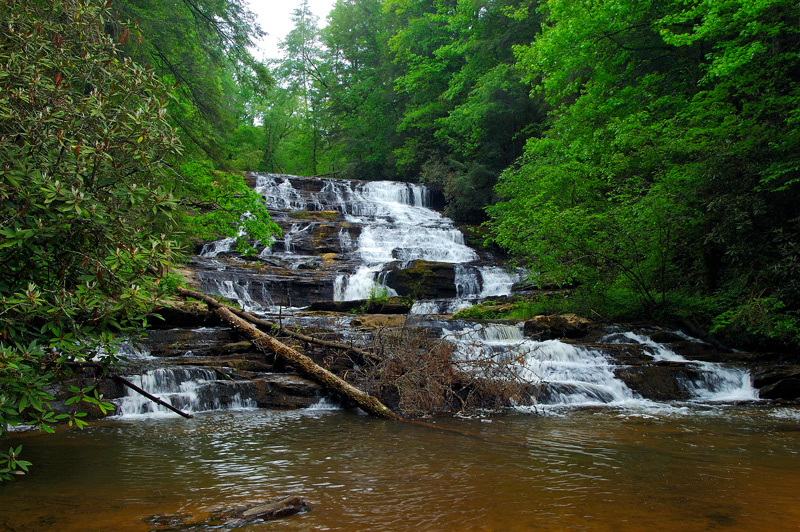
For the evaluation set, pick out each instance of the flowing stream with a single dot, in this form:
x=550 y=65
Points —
x=587 y=452
x=667 y=469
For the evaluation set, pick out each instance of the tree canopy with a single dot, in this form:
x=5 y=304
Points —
x=96 y=198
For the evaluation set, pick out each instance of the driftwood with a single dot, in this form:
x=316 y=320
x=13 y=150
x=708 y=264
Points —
x=303 y=364
x=282 y=330
x=152 y=397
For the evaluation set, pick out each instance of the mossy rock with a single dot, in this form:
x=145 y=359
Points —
x=424 y=280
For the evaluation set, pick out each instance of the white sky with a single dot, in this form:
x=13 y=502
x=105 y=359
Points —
x=275 y=17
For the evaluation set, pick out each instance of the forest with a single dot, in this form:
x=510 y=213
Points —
x=644 y=155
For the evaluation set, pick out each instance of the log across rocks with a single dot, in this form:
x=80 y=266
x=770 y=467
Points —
x=303 y=364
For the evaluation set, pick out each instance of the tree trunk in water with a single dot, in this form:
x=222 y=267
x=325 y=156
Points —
x=303 y=364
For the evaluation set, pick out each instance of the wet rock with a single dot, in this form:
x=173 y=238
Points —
x=393 y=305
x=781 y=382
x=286 y=391
x=244 y=346
x=235 y=517
x=666 y=337
x=557 y=326
x=423 y=280
x=378 y=321
x=787 y=389
x=287 y=506
x=658 y=381
x=706 y=352
x=179 y=342
x=184 y=315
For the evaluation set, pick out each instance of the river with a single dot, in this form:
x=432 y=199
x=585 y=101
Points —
x=670 y=467
x=595 y=453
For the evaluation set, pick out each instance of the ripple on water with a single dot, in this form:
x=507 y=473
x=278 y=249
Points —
x=583 y=470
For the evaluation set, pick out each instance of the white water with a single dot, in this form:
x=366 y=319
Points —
x=562 y=374
x=570 y=375
x=716 y=382
x=497 y=281
x=213 y=249
x=187 y=389
x=396 y=226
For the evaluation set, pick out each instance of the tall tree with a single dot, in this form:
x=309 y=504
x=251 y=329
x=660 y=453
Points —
x=304 y=69
x=362 y=101
x=203 y=49
x=674 y=126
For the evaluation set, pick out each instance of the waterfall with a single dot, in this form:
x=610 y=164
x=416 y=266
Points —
x=213 y=249
x=561 y=374
x=497 y=281
x=187 y=389
x=369 y=237
x=714 y=382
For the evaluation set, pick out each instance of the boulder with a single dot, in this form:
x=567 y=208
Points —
x=658 y=381
x=666 y=337
x=286 y=391
x=423 y=280
x=777 y=382
x=786 y=389
x=557 y=326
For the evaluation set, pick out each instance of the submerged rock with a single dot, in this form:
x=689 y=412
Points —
x=276 y=509
x=235 y=517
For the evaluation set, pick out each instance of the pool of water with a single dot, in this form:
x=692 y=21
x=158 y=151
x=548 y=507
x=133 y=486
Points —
x=667 y=468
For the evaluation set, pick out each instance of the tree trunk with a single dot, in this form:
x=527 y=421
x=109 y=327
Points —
x=303 y=364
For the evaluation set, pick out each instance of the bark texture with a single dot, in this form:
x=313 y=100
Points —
x=303 y=364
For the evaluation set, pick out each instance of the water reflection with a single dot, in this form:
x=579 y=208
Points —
x=669 y=469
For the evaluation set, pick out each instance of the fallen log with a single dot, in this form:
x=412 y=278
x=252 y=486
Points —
x=303 y=364
x=282 y=330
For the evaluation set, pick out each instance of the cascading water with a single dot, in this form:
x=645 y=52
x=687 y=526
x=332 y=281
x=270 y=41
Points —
x=571 y=375
x=562 y=374
x=713 y=382
x=187 y=389
x=356 y=235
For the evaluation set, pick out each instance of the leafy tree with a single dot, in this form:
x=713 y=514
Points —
x=304 y=69
x=466 y=112
x=203 y=49
x=86 y=223
x=361 y=98
x=670 y=165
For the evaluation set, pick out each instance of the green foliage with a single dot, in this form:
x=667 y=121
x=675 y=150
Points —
x=761 y=322
x=10 y=464
x=203 y=50
x=220 y=204
x=670 y=162
x=86 y=220
x=521 y=308
x=377 y=294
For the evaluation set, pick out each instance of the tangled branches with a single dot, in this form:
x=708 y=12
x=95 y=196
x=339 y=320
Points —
x=418 y=374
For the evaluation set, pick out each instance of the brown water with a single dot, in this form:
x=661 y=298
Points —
x=728 y=468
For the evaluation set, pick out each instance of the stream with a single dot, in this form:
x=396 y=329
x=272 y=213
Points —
x=598 y=448
x=666 y=468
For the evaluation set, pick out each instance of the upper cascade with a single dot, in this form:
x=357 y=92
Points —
x=361 y=238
